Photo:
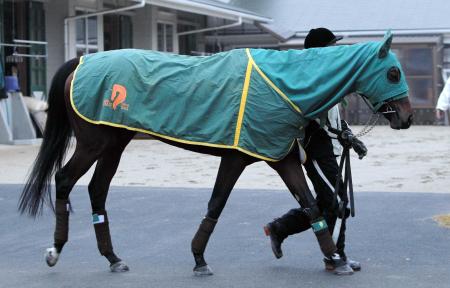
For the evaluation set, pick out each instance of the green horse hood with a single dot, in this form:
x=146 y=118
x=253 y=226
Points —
x=316 y=79
x=383 y=78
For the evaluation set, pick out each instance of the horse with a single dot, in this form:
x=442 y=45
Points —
x=369 y=69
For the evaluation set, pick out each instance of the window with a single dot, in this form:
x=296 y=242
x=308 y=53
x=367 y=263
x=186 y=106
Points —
x=417 y=63
x=126 y=32
x=187 y=44
x=165 y=37
x=86 y=34
x=36 y=31
x=117 y=31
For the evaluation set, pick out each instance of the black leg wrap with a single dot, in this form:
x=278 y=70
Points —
x=324 y=238
x=200 y=240
x=101 y=226
x=320 y=228
x=294 y=221
x=62 y=223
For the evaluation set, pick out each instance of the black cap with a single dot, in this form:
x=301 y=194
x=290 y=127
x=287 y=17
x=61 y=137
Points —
x=320 y=37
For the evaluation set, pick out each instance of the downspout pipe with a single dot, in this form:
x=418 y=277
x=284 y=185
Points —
x=66 y=20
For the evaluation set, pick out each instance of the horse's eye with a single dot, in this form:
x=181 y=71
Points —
x=394 y=74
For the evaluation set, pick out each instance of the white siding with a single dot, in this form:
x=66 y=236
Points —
x=56 y=10
x=142 y=28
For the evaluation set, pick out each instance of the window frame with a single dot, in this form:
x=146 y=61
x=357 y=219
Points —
x=174 y=32
x=86 y=46
x=430 y=101
x=166 y=16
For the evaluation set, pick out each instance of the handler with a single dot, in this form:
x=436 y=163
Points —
x=322 y=148
x=443 y=103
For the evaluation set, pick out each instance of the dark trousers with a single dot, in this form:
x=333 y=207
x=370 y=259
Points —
x=319 y=149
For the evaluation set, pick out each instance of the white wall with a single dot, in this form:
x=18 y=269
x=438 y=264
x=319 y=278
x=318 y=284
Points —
x=142 y=29
x=56 y=11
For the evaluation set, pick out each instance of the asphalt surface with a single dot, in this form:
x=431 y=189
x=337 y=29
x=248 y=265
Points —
x=393 y=235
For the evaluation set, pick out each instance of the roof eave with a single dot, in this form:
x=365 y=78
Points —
x=205 y=9
x=279 y=34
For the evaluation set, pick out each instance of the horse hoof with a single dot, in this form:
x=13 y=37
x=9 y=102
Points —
x=51 y=256
x=119 y=267
x=203 y=271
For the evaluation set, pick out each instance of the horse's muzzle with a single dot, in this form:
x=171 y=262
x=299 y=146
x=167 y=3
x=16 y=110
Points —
x=408 y=123
x=398 y=123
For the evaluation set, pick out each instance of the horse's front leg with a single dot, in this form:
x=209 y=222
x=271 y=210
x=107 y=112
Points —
x=231 y=167
x=292 y=174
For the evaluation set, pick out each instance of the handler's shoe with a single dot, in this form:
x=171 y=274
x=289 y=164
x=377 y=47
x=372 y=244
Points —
x=275 y=240
x=356 y=266
x=338 y=266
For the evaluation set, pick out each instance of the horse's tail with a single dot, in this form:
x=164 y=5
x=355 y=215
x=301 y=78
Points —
x=53 y=148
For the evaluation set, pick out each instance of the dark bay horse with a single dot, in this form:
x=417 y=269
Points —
x=378 y=80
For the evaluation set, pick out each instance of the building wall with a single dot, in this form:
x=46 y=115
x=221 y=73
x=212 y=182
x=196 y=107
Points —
x=446 y=51
x=56 y=11
x=142 y=28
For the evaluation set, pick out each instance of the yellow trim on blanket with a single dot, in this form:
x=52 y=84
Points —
x=157 y=134
x=274 y=87
x=248 y=74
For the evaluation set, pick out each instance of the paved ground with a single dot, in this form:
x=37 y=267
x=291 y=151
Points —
x=393 y=236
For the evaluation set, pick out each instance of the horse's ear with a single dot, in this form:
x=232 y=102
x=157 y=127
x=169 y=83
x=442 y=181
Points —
x=385 y=45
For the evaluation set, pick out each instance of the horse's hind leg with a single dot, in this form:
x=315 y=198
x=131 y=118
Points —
x=231 y=167
x=98 y=191
x=292 y=174
x=65 y=179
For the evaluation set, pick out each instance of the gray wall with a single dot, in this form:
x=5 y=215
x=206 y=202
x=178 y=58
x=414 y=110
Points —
x=446 y=52
x=56 y=11
x=142 y=28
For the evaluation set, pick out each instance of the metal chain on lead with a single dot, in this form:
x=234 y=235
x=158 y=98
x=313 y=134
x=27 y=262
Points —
x=368 y=126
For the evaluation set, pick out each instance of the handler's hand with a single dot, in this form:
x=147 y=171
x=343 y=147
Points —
x=347 y=139
x=359 y=147
x=439 y=113
x=345 y=135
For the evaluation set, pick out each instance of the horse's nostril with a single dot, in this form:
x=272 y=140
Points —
x=408 y=122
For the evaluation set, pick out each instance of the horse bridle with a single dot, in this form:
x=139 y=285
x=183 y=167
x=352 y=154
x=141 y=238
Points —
x=370 y=124
x=389 y=109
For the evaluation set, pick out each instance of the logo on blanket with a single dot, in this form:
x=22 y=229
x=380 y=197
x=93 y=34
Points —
x=118 y=96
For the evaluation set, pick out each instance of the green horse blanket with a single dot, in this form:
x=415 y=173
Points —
x=254 y=100
x=218 y=101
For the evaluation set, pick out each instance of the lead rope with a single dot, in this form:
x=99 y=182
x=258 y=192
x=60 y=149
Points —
x=348 y=181
x=345 y=161
x=370 y=124
x=347 y=184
